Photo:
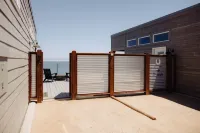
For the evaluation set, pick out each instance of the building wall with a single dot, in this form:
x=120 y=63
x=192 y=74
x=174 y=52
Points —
x=17 y=29
x=184 y=37
x=178 y=19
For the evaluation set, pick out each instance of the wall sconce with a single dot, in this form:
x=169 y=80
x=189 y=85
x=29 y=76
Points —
x=35 y=45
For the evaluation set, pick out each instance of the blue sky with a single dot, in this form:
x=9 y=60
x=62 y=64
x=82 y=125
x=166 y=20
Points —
x=86 y=25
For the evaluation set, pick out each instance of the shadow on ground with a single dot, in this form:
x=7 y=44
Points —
x=62 y=95
x=184 y=100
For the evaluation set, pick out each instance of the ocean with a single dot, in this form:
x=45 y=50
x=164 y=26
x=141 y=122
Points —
x=60 y=67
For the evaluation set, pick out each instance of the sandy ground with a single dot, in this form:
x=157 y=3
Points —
x=105 y=115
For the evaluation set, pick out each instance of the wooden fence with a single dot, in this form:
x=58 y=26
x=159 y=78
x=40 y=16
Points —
x=109 y=74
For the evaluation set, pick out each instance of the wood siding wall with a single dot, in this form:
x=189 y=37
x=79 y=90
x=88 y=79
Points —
x=15 y=35
x=184 y=38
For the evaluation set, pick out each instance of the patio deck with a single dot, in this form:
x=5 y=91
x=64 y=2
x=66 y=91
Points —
x=175 y=114
x=56 y=89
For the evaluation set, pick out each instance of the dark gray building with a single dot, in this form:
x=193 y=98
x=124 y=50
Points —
x=179 y=31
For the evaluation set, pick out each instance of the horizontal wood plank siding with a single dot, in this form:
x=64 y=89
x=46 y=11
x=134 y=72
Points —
x=15 y=36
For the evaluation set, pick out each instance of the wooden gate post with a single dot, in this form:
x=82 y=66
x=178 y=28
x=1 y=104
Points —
x=70 y=72
x=111 y=73
x=74 y=75
x=147 y=73
x=39 y=75
x=171 y=67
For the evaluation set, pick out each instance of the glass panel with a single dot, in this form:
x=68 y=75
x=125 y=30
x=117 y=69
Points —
x=161 y=37
x=132 y=43
x=144 y=40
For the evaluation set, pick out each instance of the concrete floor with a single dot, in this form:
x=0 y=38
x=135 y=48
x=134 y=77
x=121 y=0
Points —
x=105 y=115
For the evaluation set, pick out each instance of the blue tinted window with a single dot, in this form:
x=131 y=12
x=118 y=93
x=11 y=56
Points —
x=144 y=40
x=132 y=43
x=161 y=37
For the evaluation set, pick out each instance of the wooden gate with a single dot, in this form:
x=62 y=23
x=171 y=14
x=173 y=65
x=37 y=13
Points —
x=36 y=76
x=97 y=74
x=129 y=73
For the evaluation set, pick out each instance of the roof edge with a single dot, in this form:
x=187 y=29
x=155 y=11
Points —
x=163 y=18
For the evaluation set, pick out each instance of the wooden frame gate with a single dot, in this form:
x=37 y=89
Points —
x=36 y=76
x=109 y=74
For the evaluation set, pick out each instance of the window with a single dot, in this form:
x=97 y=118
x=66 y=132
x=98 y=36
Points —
x=131 y=43
x=161 y=37
x=144 y=40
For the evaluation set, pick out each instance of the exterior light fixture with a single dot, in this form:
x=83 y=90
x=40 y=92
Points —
x=35 y=45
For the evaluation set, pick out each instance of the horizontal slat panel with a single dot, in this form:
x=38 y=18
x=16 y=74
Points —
x=33 y=75
x=128 y=73
x=12 y=75
x=12 y=85
x=19 y=25
x=9 y=39
x=16 y=11
x=15 y=91
x=92 y=74
x=16 y=63
x=157 y=73
x=10 y=28
x=16 y=110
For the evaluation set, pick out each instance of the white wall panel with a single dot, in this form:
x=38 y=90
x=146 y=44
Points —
x=33 y=75
x=157 y=73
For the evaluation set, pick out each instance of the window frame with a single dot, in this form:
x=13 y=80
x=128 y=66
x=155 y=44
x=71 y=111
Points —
x=159 y=34
x=129 y=41
x=144 y=37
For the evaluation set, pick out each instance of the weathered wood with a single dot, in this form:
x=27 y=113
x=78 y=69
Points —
x=74 y=75
x=111 y=73
x=94 y=94
x=39 y=75
x=133 y=108
x=129 y=92
x=147 y=74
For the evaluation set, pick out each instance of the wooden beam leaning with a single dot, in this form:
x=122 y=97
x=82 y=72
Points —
x=133 y=108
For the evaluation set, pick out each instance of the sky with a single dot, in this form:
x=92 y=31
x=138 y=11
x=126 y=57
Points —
x=86 y=25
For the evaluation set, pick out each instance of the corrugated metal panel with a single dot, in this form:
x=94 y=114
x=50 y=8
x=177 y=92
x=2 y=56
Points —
x=128 y=73
x=92 y=74
x=157 y=73
x=33 y=75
